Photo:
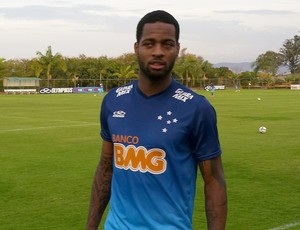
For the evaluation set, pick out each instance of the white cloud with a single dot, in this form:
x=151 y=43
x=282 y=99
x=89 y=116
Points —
x=218 y=30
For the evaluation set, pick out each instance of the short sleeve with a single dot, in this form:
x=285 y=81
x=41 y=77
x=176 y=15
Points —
x=205 y=138
x=104 y=112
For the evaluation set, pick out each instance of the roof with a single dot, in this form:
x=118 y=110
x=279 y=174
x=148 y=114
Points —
x=22 y=78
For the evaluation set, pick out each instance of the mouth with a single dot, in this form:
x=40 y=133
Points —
x=157 y=65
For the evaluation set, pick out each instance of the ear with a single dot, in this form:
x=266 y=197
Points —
x=178 y=48
x=136 y=47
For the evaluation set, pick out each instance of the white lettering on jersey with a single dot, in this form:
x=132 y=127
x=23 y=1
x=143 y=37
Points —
x=124 y=90
x=182 y=95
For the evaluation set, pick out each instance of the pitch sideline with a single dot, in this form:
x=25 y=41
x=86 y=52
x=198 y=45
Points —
x=48 y=127
x=286 y=226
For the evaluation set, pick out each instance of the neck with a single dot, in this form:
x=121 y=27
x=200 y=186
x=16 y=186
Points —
x=151 y=87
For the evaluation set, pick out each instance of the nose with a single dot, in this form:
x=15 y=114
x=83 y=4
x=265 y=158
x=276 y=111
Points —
x=158 y=50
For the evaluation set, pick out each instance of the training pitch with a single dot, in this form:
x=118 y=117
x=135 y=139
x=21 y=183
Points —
x=50 y=144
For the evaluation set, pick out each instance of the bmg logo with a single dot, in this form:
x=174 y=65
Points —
x=140 y=159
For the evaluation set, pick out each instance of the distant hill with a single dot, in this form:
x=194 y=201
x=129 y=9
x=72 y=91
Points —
x=246 y=66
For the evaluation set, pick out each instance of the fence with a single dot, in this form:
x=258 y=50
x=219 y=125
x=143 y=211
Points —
x=111 y=83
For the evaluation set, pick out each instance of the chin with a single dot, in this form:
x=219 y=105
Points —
x=157 y=76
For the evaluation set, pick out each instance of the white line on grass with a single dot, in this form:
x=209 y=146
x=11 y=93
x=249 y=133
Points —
x=53 y=120
x=286 y=226
x=48 y=127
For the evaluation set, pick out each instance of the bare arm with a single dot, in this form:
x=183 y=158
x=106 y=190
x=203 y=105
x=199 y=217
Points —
x=215 y=193
x=101 y=187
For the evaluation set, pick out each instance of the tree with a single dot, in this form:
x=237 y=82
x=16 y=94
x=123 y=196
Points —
x=268 y=62
x=208 y=72
x=75 y=80
x=2 y=67
x=188 y=68
x=18 y=68
x=125 y=72
x=126 y=67
x=264 y=78
x=128 y=59
x=291 y=54
x=36 y=67
x=223 y=73
x=50 y=61
x=72 y=66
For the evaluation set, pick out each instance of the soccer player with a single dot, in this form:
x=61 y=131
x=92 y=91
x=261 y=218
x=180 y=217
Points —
x=156 y=133
x=212 y=89
x=101 y=89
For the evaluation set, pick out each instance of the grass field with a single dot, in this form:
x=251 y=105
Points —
x=49 y=148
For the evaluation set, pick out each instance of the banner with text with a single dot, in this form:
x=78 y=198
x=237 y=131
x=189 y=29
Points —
x=55 y=90
x=86 y=90
x=70 y=90
x=295 y=87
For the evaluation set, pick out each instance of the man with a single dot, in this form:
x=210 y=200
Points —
x=212 y=89
x=101 y=89
x=156 y=133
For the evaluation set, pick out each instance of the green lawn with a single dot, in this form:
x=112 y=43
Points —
x=49 y=148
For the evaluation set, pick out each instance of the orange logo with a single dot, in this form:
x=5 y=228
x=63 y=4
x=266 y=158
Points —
x=125 y=139
x=140 y=159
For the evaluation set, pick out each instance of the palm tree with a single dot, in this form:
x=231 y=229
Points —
x=36 y=67
x=125 y=72
x=188 y=67
x=50 y=61
x=75 y=80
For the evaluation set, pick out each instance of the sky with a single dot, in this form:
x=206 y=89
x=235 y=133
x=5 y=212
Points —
x=217 y=30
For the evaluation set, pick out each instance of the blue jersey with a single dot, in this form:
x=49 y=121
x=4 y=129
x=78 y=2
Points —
x=158 y=142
